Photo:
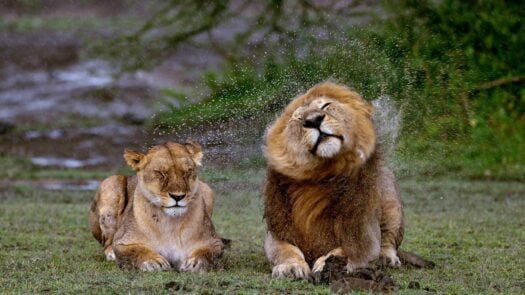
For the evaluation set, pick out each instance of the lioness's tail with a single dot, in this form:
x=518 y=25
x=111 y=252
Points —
x=409 y=258
x=387 y=120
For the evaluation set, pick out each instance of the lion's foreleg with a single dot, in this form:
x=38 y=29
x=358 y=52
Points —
x=391 y=231
x=286 y=259
x=320 y=262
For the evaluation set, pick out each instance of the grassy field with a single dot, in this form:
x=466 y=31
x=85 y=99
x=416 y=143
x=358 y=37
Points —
x=473 y=230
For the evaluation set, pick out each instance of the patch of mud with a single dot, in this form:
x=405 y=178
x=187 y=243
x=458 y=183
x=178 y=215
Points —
x=363 y=279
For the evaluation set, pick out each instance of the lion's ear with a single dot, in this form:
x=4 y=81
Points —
x=133 y=158
x=195 y=151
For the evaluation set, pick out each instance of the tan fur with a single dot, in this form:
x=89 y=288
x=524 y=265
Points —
x=328 y=192
x=141 y=226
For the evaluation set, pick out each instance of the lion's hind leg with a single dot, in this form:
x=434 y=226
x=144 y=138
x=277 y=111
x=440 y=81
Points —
x=287 y=260
x=105 y=212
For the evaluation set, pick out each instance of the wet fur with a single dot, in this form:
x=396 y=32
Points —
x=347 y=205
x=135 y=229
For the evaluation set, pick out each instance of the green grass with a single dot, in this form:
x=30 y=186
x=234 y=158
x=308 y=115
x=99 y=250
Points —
x=473 y=230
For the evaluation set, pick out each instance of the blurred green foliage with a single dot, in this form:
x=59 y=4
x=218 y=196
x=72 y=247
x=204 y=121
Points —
x=454 y=67
x=464 y=57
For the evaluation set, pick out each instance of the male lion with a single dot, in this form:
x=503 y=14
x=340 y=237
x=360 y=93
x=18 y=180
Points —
x=162 y=216
x=328 y=191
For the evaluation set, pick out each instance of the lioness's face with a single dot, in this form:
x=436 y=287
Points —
x=168 y=175
x=321 y=127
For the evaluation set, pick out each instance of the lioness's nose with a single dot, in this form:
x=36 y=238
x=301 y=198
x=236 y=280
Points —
x=313 y=121
x=177 y=197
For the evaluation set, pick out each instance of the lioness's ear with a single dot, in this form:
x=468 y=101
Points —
x=133 y=158
x=195 y=151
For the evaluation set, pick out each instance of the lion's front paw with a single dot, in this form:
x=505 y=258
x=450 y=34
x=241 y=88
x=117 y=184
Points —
x=154 y=264
x=110 y=254
x=388 y=256
x=195 y=264
x=320 y=263
x=296 y=270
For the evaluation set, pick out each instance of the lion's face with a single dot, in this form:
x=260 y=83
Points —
x=328 y=130
x=167 y=175
x=319 y=127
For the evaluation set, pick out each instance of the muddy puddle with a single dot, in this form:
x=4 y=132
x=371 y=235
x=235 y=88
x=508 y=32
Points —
x=54 y=185
x=86 y=92
x=67 y=162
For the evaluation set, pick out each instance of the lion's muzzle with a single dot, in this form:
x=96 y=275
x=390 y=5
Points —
x=325 y=143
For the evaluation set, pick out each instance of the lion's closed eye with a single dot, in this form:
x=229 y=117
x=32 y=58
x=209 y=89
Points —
x=325 y=105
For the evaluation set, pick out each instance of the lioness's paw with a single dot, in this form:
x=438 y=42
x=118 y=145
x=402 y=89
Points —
x=110 y=254
x=299 y=270
x=194 y=264
x=389 y=257
x=156 y=264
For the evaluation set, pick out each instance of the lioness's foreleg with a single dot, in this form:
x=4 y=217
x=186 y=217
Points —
x=202 y=258
x=140 y=256
x=105 y=210
x=286 y=259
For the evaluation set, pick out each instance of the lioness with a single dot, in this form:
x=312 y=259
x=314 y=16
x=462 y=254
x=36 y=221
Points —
x=161 y=217
x=328 y=190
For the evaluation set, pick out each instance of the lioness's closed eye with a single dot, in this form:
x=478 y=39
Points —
x=140 y=219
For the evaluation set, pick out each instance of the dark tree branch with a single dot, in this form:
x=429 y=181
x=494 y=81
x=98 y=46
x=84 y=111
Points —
x=500 y=82
x=273 y=23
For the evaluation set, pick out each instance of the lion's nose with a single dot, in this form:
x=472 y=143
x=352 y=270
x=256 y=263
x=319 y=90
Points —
x=313 y=121
x=177 y=197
